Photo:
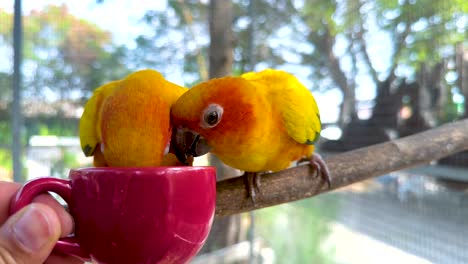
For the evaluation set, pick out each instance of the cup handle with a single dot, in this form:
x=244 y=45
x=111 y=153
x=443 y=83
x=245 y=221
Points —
x=62 y=187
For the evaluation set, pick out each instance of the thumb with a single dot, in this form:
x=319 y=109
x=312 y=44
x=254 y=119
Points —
x=29 y=235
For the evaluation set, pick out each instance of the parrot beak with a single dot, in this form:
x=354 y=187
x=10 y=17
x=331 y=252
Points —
x=186 y=144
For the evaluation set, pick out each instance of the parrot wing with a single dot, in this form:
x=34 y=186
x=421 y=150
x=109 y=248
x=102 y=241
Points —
x=301 y=117
x=89 y=122
x=299 y=111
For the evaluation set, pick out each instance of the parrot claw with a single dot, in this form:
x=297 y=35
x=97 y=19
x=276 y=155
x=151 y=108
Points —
x=252 y=185
x=320 y=167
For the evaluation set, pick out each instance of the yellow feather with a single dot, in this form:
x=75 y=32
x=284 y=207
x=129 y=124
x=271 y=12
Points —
x=300 y=113
x=270 y=119
x=130 y=120
x=89 y=135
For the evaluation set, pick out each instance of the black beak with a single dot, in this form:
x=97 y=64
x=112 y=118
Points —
x=186 y=144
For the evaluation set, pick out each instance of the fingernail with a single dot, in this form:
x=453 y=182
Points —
x=32 y=229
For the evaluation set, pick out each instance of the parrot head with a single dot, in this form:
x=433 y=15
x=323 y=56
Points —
x=211 y=115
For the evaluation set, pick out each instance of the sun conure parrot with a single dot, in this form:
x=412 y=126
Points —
x=256 y=122
x=127 y=122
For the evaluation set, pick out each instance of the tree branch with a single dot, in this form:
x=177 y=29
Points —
x=346 y=168
x=187 y=15
x=400 y=43
x=365 y=53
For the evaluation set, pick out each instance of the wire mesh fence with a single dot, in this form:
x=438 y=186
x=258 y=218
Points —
x=404 y=217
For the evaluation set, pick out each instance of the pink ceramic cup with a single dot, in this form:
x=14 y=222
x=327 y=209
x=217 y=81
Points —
x=133 y=215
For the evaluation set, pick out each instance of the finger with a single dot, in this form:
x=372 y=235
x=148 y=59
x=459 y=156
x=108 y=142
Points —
x=66 y=220
x=8 y=191
x=29 y=235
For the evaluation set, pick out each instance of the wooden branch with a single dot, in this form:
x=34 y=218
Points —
x=345 y=168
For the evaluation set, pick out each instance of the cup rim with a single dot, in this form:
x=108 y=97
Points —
x=146 y=169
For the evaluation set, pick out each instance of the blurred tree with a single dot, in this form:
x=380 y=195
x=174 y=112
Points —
x=221 y=44
x=274 y=34
x=425 y=35
x=322 y=32
x=16 y=116
x=461 y=59
x=341 y=43
x=182 y=38
x=65 y=57
x=179 y=40
x=421 y=36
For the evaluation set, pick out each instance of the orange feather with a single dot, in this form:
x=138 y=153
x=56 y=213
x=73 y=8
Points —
x=254 y=133
x=128 y=123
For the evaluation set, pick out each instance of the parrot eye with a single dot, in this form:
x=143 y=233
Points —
x=211 y=116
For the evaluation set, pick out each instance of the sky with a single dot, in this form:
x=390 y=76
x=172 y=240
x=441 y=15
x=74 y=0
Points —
x=107 y=15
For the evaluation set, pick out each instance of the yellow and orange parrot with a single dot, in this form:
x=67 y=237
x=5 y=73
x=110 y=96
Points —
x=256 y=122
x=127 y=122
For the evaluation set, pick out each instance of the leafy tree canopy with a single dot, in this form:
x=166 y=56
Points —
x=64 y=56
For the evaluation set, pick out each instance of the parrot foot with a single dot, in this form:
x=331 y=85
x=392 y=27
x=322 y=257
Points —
x=316 y=162
x=252 y=184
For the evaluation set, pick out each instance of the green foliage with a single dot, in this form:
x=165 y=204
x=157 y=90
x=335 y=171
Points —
x=451 y=110
x=432 y=28
x=319 y=15
x=5 y=85
x=68 y=54
x=423 y=30
x=5 y=132
x=61 y=167
x=65 y=59
x=296 y=231
x=172 y=44
x=266 y=36
x=6 y=160
x=52 y=126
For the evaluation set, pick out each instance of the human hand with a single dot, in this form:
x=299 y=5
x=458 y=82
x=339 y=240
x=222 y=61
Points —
x=29 y=235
